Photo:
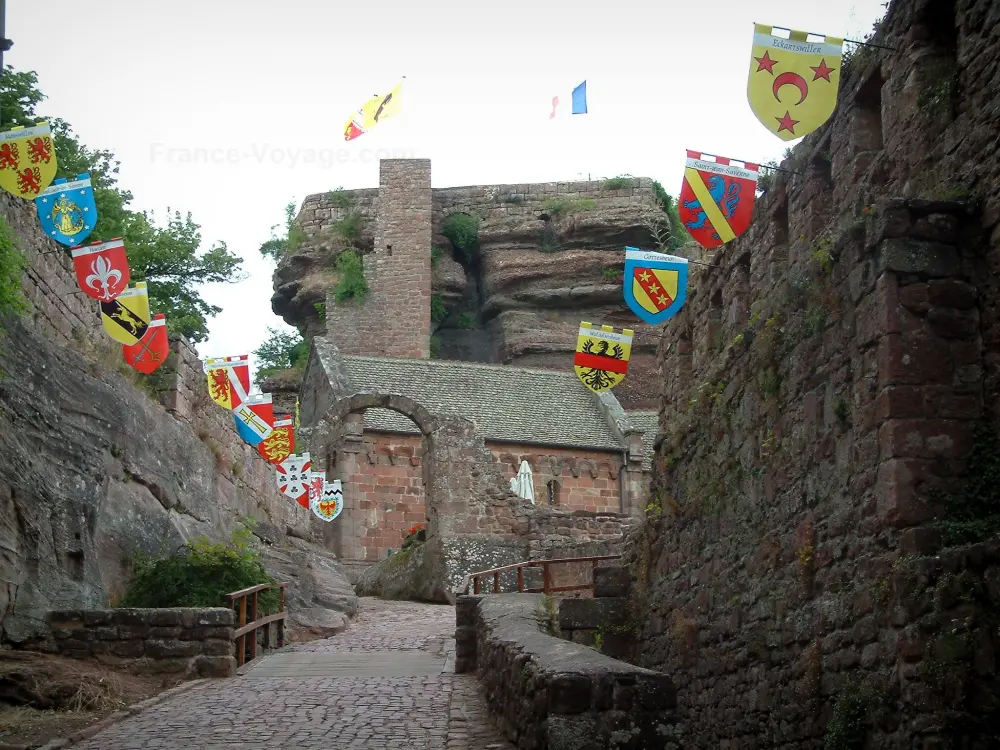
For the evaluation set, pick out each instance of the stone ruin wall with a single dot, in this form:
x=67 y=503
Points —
x=819 y=391
x=245 y=482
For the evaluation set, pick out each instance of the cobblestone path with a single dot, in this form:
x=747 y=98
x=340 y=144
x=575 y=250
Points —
x=443 y=710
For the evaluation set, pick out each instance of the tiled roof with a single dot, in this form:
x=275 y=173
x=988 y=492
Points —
x=539 y=407
x=649 y=423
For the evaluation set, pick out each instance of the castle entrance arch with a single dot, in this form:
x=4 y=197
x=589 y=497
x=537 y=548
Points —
x=386 y=476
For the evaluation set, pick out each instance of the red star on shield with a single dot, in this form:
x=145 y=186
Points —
x=786 y=123
x=766 y=63
x=822 y=71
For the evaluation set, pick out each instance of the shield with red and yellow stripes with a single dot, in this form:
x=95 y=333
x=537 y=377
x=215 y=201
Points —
x=655 y=284
x=602 y=356
x=716 y=200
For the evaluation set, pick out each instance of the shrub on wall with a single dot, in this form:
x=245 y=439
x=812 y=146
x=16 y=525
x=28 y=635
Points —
x=12 y=266
x=200 y=574
x=352 y=284
x=462 y=230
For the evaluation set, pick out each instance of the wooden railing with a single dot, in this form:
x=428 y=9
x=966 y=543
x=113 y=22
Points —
x=473 y=579
x=246 y=602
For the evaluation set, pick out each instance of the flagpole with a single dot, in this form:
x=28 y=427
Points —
x=5 y=43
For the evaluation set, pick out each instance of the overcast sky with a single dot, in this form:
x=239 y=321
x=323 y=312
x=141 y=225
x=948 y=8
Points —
x=216 y=107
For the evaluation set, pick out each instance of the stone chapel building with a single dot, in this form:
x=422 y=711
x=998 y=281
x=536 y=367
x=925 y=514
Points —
x=586 y=453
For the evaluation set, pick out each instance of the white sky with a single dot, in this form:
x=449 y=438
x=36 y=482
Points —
x=266 y=84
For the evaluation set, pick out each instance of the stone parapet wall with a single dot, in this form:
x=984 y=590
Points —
x=547 y=692
x=187 y=641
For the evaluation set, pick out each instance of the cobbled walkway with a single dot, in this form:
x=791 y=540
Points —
x=329 y=713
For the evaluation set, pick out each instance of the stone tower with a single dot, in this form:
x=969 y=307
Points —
x=394 y=320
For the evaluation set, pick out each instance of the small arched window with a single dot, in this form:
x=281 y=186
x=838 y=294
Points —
x=552 y=489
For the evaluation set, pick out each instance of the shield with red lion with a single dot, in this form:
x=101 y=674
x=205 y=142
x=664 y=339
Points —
x=716 y=200
x=152 y=349
x=280 y=443
x=228 y=380
x=102 y=269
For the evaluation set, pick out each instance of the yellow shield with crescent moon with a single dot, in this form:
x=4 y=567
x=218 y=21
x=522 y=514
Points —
x=27 y=160
x=793 y=82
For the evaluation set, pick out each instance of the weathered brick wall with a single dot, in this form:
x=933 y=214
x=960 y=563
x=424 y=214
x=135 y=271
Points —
x=584 y=480
x=245 y=483
x=394 y=320
x=383 y=496
x=818 y=395
x=188 y=641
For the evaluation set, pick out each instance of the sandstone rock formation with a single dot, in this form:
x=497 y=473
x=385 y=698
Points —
x=94 y=469
x=549 y=256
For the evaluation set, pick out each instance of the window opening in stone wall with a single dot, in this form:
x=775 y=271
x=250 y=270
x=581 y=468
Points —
x=779 y=224
x=939 y=93
x=868 y=114
x=389 y=250
x=552 y=491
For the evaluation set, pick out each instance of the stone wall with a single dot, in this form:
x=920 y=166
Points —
x=581 y=480
x=186 y=641
x=819 y=393
x=394 y=320
x=549 y=693
x=98 y=462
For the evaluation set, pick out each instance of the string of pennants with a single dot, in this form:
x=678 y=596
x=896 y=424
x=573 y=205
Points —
x=792 y=90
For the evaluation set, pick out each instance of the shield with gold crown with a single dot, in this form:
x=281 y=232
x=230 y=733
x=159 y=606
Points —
x=793 y=81
x=602 y=356
x=126 y=317
x=228 y=380
x=717 y=197
x=280 y=443
x=655 y=284
x=27 y=160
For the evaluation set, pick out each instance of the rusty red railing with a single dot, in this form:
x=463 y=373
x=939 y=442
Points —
x=473 y=579
x=249 y=599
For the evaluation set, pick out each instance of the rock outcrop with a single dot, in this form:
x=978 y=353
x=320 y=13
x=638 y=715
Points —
x=549 y=255
x=98 y=464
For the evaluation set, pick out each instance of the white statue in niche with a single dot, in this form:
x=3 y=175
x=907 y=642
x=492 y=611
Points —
x=523 y=484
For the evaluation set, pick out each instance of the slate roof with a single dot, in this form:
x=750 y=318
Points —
x=512 y=404
x=649 y=423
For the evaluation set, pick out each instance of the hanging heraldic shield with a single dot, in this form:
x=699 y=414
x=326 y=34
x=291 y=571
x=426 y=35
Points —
x=317 y=482
x=126 y=317
x=151 y=351
x=328 y=505
x=280 y=443
x=27 y=160
x=102 y=269
x=716 y=200
x=655 y=284
x=602 y=356
x=228 y=380
x=294 y=475
x=793 y=82
x=255 y=419
x=66 y=210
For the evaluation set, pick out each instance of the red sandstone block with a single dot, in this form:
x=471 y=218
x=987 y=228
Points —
x=951 y=293
x=924 y=438
x=900 y=402
x=915 y=297
x=900 y=503
x=919 y=359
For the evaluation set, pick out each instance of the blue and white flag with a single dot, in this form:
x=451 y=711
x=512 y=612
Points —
x=570 y=103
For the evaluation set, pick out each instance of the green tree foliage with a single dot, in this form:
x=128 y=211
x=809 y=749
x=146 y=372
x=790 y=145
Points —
x=276 y=247
x=200 y=574
x=678 y=233
x=281 y=351
x=12 y=266
x=167 y=256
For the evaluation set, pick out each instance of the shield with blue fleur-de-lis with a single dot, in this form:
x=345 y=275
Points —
x=66 y=210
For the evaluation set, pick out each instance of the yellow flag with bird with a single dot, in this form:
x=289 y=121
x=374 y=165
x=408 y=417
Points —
x=380 y=107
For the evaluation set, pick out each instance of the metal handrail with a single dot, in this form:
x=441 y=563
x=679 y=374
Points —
x=547 y=588
x=238 y=602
